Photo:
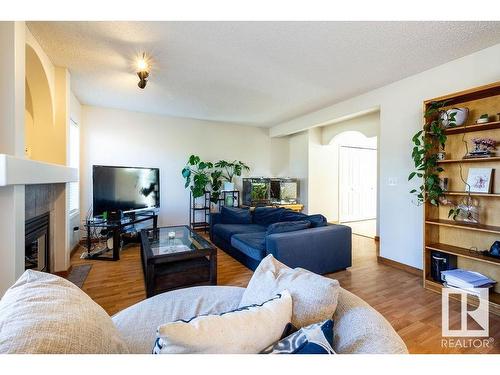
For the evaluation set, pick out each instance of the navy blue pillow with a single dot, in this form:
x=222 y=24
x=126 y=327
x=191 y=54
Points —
x=289 y=215
x=267 y=215
x=316 y=338
x=235 y=215
x=287 y=226
x=317 y=220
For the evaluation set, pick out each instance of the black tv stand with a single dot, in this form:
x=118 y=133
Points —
x=117 y=228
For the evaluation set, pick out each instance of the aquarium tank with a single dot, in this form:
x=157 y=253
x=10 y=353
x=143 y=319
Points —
x=284 y=190
x=256 y=191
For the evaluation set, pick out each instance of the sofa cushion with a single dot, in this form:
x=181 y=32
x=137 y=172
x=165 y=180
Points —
x=316 y=338
x=235 y=215
x=267 y=215
x=317 y=220
x=314 y=296
x=360 y=329
x=287 y=226
x=246 y=330
x=251 y=244
x=138 y=323
x=226 y=231
x=290 y=215
x=44 y=313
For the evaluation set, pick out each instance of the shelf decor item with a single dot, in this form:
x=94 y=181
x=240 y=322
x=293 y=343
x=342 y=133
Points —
x=468 y=211
x=483 y=148
x=484 y=144
x=441 y=155
x=444 y=183
x=479 y=180
x=483 y=119
x=459 y=115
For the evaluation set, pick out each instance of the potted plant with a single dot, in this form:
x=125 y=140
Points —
x=428 y=144
x=196 y=174
x=229 y=170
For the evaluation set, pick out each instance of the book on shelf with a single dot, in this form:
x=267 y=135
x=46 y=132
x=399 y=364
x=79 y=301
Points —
x=466 y=280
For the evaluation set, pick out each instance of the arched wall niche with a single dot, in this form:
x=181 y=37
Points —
x=40 y=129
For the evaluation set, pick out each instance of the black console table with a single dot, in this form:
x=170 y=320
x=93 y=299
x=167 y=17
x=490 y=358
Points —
x=117 y=228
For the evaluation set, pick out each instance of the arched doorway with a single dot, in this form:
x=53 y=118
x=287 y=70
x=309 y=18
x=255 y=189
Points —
x=351 y=149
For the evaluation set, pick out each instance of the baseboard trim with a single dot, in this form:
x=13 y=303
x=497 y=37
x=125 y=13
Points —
x=401 y=266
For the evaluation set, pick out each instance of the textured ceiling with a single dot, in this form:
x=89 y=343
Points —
x=254 y=73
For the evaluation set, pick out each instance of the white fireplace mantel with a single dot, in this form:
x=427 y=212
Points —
x=19 y=171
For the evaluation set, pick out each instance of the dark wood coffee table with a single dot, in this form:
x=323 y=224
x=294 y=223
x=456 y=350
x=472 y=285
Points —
x=176 y=257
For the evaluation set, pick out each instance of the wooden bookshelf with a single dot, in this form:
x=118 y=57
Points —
x=471 y=160
x=456 y=237
x=473 y=128
x=465 y=226
x=460 y=251
x=464 y=193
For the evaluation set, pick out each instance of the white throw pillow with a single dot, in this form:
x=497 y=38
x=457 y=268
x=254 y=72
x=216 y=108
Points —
x=314 y=297
x=44 y=313
x=247 y=330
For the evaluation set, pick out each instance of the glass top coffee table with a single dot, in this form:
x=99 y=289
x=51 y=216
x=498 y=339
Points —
x=176 y=257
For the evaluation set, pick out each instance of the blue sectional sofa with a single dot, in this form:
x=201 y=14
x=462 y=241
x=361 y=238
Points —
x=294 y=238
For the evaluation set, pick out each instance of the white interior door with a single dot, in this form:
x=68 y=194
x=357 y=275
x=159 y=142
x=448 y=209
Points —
x=357 y=183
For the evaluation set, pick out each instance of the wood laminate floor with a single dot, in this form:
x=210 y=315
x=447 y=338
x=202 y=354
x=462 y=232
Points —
x=415 y=313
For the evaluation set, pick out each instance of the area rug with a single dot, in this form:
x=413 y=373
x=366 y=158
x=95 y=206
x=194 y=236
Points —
x=78 y=274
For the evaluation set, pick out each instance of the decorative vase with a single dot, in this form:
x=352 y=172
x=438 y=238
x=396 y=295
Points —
x=228 y=186
x=229 y=201
x=461 y=115
x=469 y=211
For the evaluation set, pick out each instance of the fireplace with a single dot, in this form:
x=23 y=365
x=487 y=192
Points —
x=36 y=243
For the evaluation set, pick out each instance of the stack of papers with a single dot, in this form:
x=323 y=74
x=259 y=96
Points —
x=467 y=280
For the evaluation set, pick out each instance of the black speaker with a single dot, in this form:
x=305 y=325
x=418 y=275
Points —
x=115 y=215
x=441 y=262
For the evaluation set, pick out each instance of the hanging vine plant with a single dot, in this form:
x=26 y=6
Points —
x=427 y=143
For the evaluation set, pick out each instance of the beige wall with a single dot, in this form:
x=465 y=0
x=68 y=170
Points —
x=118 y=137
x=47 y=99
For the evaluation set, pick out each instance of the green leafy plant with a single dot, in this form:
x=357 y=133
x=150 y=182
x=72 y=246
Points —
x=426 y=145
x=259 y=191
x=216 y=184
x=196 y=174
x=231 y=169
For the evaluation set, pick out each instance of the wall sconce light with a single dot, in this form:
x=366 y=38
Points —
x=143 y=69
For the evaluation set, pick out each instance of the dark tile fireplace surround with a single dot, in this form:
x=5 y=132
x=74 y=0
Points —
x=37 y=244
x=39 y=205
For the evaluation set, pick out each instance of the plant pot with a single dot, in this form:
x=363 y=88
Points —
x=228 y=186
x=229 y=201
x=441 y=155
x=461 y=115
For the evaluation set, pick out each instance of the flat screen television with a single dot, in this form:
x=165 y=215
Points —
x=124 y=188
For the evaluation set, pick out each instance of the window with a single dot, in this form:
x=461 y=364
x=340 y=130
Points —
x=74 y=162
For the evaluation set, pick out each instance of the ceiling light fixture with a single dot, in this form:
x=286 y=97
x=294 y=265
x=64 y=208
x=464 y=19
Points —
x=143 y=69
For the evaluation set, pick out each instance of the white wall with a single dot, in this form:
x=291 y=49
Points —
x=12 y=61
x=117 y=137
x=298 y=159
x=75 y=114
x=400 y=106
